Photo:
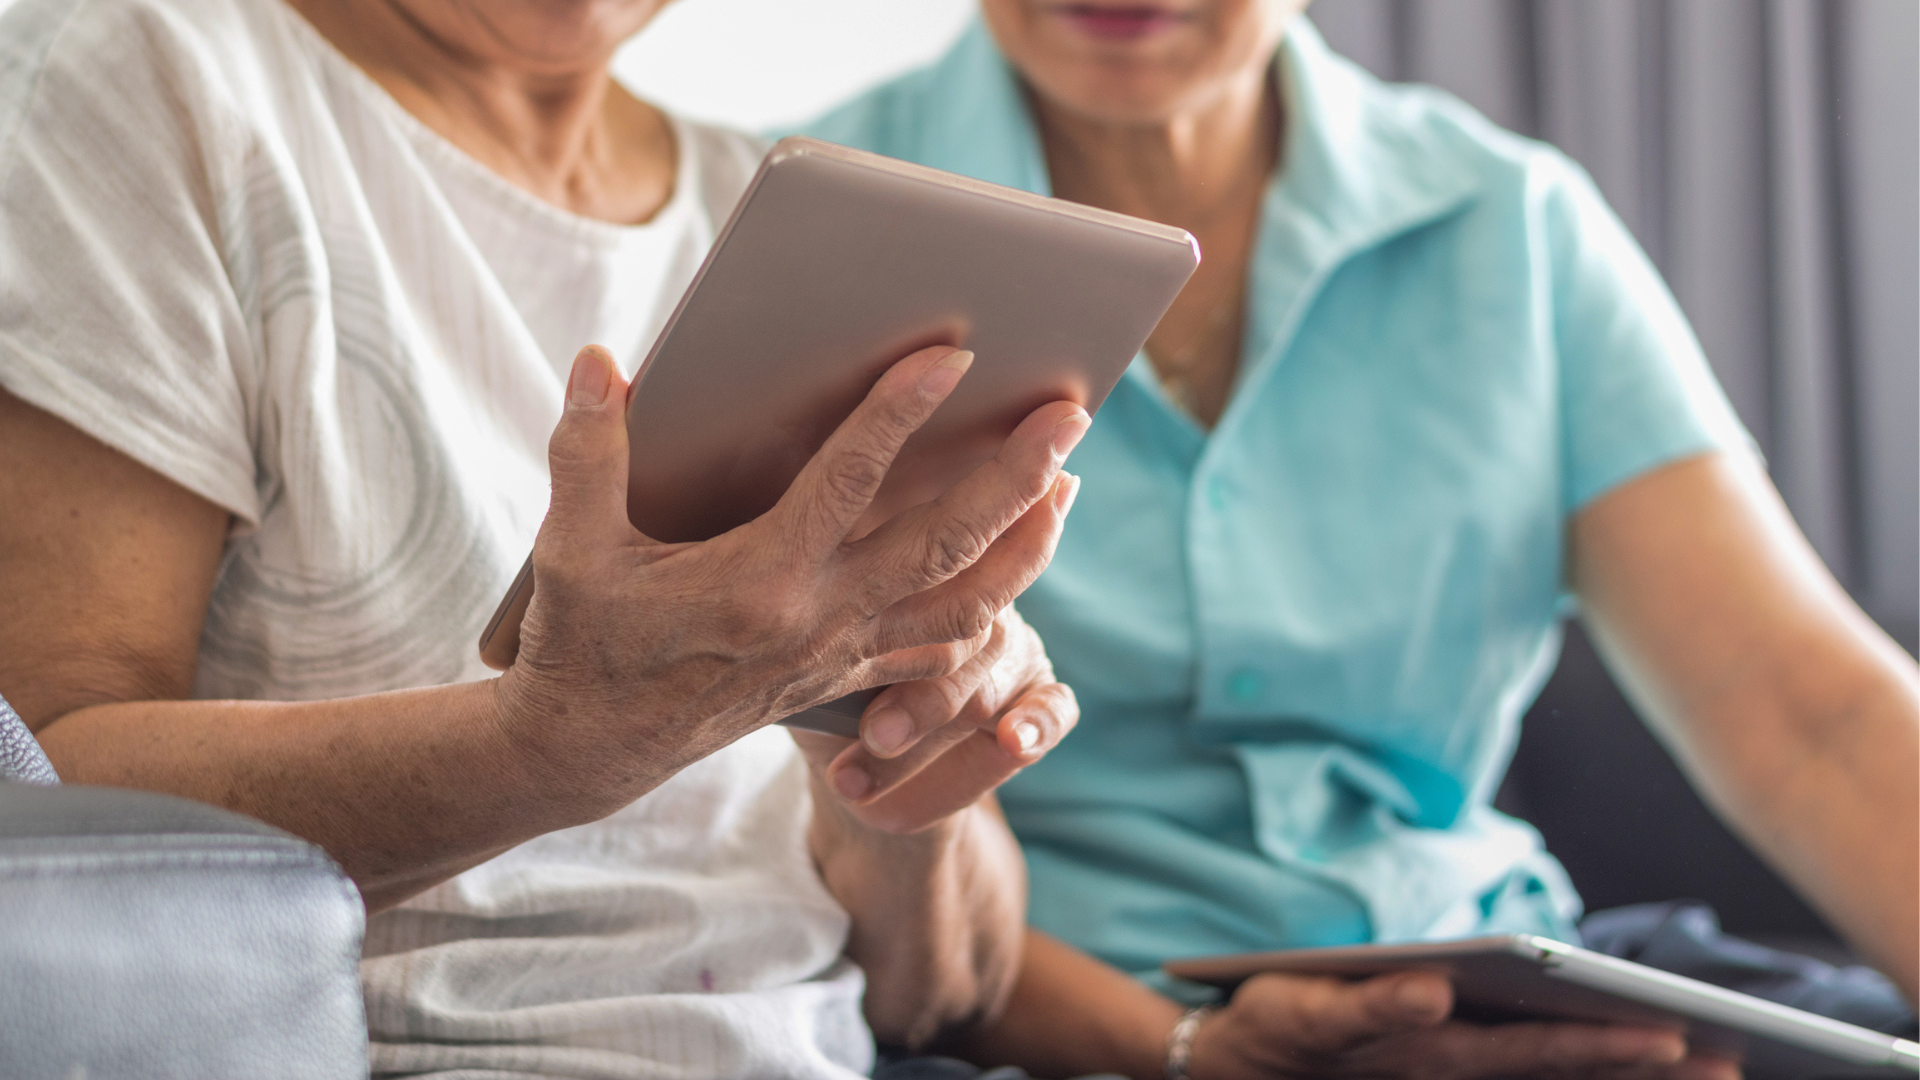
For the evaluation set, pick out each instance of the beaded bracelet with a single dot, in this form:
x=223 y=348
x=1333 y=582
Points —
x=1180 y=1040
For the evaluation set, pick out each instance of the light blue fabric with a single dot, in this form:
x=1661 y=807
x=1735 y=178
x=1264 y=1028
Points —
x=1304 y=642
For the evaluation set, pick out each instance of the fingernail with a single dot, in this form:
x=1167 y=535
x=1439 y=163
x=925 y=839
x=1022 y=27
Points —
x=888 y=730
x=587 y=385
x=1067 y=434
x=944 y=375
x=852 y=783
x=1066 y=489
x=1027 y=734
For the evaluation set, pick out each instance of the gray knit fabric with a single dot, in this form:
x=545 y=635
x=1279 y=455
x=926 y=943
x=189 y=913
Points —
x=21 y=759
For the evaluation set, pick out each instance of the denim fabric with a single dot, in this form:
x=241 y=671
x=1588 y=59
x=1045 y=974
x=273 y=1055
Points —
x=943 y=1068
x=1684 y=937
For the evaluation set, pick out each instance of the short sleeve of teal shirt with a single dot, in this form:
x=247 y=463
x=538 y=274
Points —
x=1636 y=388
x=1303 y=641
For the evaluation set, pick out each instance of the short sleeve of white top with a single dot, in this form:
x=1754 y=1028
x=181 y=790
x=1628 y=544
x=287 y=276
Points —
x=226 y=253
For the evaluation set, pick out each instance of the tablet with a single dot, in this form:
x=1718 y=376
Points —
x=835 y=264
x=1521 y=976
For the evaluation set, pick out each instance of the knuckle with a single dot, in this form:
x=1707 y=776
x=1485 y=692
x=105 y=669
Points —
x=1062 y=708
x=967 y=621
x=948 y=696
x=856 y=472
x=954 y=547
x=900 y=416
x=918 y=664
x=557 y=564
x=947 y=660
x=572 y=453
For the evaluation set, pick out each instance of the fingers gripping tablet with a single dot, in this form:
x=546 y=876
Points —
x=835 y=264
x=1523 y=976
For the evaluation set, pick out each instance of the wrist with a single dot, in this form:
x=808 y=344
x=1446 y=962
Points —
x=1181 y=1039
x=562 y=759
x=839 y=829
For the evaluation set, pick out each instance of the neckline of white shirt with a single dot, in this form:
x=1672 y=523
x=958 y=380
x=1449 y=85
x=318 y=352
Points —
x=465 y=167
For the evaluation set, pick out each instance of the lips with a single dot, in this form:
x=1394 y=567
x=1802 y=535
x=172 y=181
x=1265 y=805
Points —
x=1121 y=22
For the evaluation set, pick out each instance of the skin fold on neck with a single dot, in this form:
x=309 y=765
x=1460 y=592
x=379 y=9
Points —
x=551 y=121
x=1205 y=170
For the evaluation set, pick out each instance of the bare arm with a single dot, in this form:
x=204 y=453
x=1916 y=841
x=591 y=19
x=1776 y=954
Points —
x=1796 y=717
x=919 y=856
x=938 y=916
x=108 y=568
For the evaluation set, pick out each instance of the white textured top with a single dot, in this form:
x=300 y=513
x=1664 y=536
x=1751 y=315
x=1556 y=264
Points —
x=227 y=253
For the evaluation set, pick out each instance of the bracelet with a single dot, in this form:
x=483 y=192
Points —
x=1180 y=1040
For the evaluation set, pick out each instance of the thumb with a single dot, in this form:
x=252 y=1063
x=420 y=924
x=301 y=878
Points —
x=587 y=455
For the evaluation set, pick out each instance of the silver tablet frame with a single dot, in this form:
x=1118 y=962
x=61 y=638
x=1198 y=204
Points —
x=1522 y=976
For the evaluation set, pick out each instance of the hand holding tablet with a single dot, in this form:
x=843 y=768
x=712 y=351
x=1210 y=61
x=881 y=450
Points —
x=1525 y=979
x=639 y=658
x=835 y=265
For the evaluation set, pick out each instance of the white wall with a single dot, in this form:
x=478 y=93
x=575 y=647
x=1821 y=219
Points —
x=757 y=63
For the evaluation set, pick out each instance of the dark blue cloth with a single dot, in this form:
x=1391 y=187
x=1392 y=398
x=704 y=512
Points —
x=1684 y=937
x=941 y=1068
x=944 y=1068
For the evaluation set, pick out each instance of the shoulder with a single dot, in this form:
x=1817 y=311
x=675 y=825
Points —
x=135 y=77
x=967 y=96
x=722 y=162
x=1524 y=187
x=884 y=119
x=115 y=39
x=1429 y=127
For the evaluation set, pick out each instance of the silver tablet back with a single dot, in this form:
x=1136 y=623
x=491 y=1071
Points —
x=838 y=263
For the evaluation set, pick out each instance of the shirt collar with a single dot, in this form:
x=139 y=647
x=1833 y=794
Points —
x=976 y=121
x=1357 y=168
x=1354 y=170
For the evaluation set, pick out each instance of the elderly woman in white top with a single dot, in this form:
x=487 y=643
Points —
x=290 y=301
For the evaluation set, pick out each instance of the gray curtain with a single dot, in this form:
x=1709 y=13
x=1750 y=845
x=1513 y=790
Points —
x=1767 y=155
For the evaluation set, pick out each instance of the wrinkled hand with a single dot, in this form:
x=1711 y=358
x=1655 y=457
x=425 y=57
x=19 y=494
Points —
x=1398 y=1026
x=933 y=747
x=637 y=657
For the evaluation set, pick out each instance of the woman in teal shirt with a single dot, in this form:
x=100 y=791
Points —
x=1424 y=393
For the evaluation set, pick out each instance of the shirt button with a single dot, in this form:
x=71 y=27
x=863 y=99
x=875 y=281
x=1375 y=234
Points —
x=1217 y=492
x=1245 y=686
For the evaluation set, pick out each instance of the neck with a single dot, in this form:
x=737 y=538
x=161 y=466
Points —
x=1185 y=171
x=564 y=132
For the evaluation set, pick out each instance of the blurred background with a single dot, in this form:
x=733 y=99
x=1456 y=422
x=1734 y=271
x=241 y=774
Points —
x=1767 y=155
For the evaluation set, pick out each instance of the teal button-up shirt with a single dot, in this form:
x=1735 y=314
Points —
x=1304 y=641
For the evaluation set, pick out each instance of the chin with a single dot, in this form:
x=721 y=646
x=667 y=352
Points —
x=1116 y=94
x=558 y=33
